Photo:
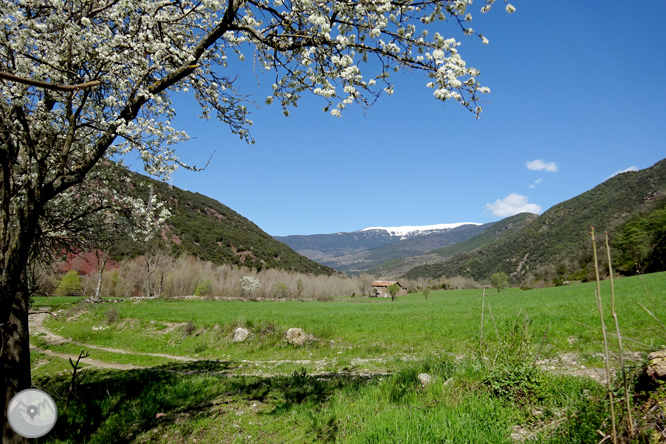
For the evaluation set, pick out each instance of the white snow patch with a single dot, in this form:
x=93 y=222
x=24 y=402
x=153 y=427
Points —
x=404 y=231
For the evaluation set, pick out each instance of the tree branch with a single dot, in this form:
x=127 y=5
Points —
x=30 y=82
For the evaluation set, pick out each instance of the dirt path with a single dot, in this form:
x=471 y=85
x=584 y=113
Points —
x=37 y=326
x=93 y=362
x=565 y=364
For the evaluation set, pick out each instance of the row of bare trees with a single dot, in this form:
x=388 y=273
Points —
x=159 y=274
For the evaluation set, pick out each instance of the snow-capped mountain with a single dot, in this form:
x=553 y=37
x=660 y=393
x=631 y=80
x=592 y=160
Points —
x=410 y=231
x=363 y=249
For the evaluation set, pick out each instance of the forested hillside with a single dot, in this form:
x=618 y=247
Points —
x=205 y=228
x=558 y=242
x=491 y=234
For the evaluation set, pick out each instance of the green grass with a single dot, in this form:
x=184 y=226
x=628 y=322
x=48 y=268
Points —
x=447 y=323
x=472 y=399
x=103 y=355
x=55 y=301
x=185 y=402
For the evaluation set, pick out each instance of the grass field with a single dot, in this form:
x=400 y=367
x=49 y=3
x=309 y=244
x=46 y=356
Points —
x=336 y=387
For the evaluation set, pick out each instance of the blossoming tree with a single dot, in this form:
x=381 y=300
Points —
x=86 y=80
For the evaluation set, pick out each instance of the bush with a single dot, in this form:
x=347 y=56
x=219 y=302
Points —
x=70 y=285
x=521 y=383
x=514 y=375
x=281 y=290
x=111 y=316
x=203 y=289
x=189 y=329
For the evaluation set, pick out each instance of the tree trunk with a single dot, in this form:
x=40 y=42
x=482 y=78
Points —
x=14 y=361
x=15 y=247
x=148 y=276
x=100 y=276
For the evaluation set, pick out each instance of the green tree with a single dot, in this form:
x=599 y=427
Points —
x=499 y=281
x=393 y=290
x=281 y=290
x=70 y=285
x=641 y=243
x=203 y=289
x=634 y=245
x=426 y=292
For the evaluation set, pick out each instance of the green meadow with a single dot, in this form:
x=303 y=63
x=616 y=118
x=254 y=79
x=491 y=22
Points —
x=518 y=378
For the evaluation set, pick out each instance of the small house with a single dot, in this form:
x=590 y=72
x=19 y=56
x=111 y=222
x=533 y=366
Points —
x=380 y=288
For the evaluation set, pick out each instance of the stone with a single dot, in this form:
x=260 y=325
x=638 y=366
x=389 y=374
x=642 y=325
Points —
x=241 y=334
x=425 y=379
x=656 y=366
x=296 y=336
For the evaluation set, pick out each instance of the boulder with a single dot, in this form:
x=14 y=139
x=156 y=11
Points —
x=656 y=366
x=296 y=336
x=241 y=334
x=425 y=379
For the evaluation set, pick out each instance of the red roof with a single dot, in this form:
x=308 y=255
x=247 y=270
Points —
x=384 y=283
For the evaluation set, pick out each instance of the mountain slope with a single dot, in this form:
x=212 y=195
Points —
x=560 y=234
x=205 y=228
x=494 y=233
x=431 y=260
x=360 y=250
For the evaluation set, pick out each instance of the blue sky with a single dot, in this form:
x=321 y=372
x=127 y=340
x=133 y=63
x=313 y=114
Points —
x=578 y=86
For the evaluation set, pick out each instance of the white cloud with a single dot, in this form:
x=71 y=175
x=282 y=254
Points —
x=538 y=181
x=512 y=204
x=540 y=165
x=631 y=168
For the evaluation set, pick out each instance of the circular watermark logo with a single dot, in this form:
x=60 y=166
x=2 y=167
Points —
x=32 y=413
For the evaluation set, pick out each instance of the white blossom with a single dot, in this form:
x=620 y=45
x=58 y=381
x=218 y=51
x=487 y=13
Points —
x=126 y=59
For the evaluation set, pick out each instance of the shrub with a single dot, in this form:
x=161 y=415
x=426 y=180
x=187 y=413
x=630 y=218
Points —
x=70 y=285
x=513 y=374
x=517 y=382
x=281 y=290
x=203 y=289
x=189 y=329
x=111 y=316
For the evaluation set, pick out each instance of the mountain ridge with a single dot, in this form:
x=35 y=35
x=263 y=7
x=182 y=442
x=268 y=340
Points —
x=206 y=228
x=493 y=231
x=416 y=230
x=558 y=241
x=357 y=251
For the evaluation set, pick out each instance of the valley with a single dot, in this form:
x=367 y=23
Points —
x=363 y=354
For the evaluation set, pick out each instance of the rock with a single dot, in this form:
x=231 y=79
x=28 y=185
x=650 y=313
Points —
x=296 y=336
x=425 y=379
x=656 y=366
x=241 y=334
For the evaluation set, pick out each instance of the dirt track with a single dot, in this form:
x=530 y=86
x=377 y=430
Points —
x=565 y=364
x=37 y=326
